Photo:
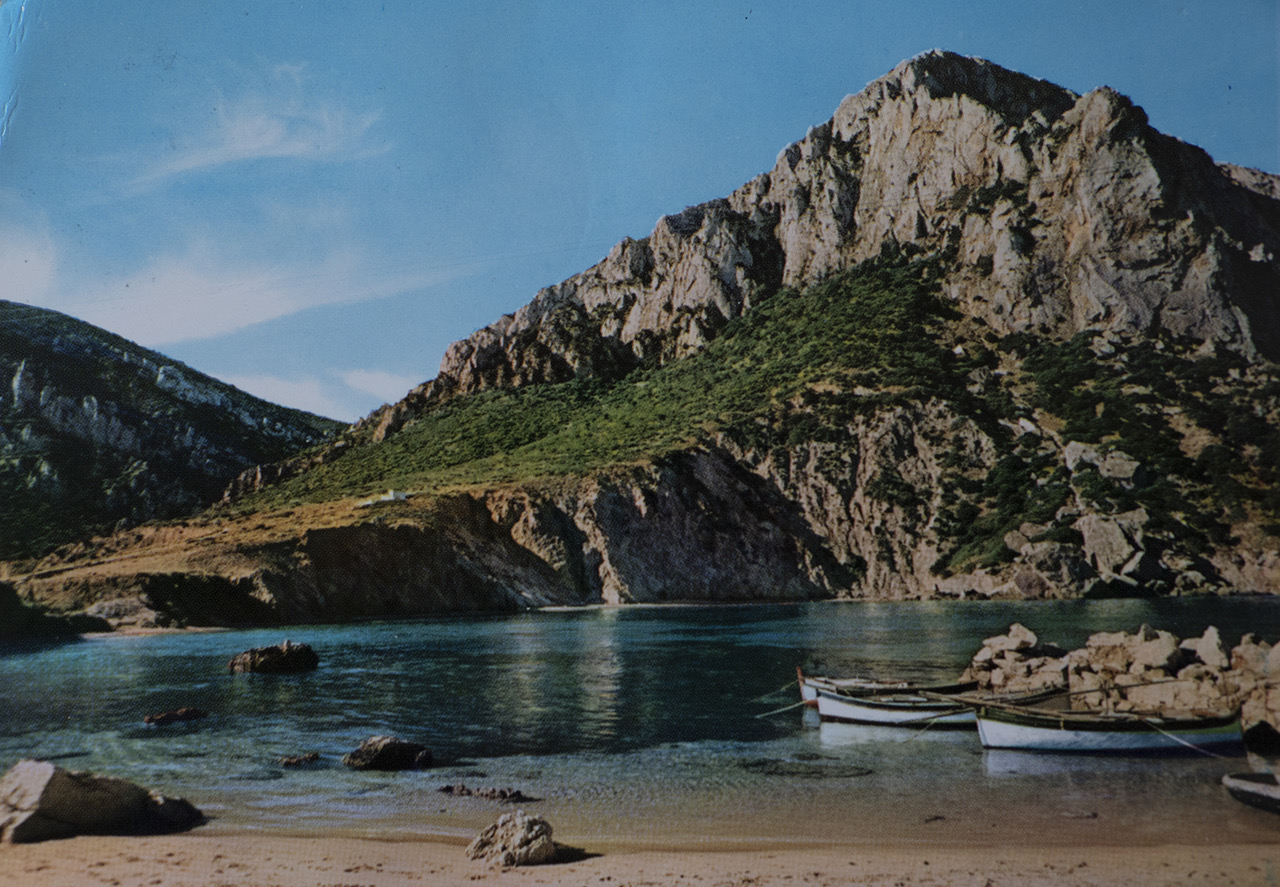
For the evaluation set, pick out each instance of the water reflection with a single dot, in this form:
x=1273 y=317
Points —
x=640 y=703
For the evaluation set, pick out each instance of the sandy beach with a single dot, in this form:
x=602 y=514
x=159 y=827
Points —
x=208 y=859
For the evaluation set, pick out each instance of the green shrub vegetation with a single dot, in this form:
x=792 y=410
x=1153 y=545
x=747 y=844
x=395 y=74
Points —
x=783 y=373
x=803 y=365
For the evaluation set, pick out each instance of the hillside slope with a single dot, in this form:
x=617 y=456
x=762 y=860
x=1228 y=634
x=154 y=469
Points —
x=974 y=336
x=96 y=432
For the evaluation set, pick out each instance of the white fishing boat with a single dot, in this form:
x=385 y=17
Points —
x=811 y=684
x=1042 y=729
x=898 y=708
x=1260 y=790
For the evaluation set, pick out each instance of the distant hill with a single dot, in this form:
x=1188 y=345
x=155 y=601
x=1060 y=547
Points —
x=976 y=336
x=98 y=433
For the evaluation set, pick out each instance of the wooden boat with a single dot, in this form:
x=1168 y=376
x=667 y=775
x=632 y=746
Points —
x=1041 y=729
x=896 y=707
x=1260 y=790
x=810 y=684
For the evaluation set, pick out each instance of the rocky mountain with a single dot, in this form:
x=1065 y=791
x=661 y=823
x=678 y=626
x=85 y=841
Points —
x=98 y=433
x=1057 y=212
x=976 y=335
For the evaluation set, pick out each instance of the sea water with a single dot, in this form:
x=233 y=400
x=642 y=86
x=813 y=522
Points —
x=638 y=724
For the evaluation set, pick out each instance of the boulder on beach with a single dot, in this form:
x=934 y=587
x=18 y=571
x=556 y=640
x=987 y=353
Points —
x=186 y=713
x=515 y=839
x=302 y=760
x=40 y=801
x=388 y=753
x=285 y=658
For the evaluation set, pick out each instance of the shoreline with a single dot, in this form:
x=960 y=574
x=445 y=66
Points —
x=217 y=858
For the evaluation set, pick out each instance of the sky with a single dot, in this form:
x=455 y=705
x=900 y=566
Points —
x=311 y=200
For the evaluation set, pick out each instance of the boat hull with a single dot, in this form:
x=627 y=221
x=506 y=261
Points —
x=899 y=709
x=1260 y=790
x=1083 y=733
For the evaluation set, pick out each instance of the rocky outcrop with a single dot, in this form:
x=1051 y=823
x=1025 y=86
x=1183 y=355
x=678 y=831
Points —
x=1096 y=419
x=284 y=658
x=96 y=432
x=1148 y=671
x=388 y=753
x=1056 y=213
x=40 y=801
x=515 y=839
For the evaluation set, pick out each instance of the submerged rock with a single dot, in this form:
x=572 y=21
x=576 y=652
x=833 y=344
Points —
x=515 y=839
x=286 y=658
x=388 y=753
x=186 y=713
x=505 y=795
x=40 y=801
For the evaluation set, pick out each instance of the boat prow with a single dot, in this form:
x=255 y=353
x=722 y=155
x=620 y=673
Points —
x=1261 y=790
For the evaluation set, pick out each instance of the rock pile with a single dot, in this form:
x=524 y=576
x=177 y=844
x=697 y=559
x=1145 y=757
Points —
x=515 y=839
x=1149 y=670
x=40 y=801
x=286 y=658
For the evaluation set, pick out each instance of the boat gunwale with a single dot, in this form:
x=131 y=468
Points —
x=1113 y=722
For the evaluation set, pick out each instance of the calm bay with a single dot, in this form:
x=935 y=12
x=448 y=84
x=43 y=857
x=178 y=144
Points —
x=638 y=725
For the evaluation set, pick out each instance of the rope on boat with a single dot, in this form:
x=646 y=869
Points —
x=775 y=692
x=1179 y=739
x=929 y=722
x=778 y=711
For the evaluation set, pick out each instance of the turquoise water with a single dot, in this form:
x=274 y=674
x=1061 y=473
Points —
x=634 y=724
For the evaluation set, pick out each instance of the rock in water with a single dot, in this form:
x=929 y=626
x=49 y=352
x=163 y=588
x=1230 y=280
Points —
x=515 y=839
x=388 y=753
x=287 y=658
x=186 y=713
x=40 y=801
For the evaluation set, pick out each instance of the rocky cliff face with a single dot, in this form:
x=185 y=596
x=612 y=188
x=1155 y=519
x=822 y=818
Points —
x=1092 y=408
x=1057 y=213
x=95 y=430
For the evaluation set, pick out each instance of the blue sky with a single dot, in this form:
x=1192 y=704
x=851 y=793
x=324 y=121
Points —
x=310 y=200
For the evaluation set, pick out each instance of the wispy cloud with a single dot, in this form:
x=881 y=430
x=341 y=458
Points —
x=202 y=294
x=338 y=394
x=390 y=387
x=280 y=119
x=28 y=257
x=315 y=395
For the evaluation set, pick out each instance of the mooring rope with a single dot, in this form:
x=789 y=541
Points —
x=1179 y=739
x=775 y=692
x=778 y=711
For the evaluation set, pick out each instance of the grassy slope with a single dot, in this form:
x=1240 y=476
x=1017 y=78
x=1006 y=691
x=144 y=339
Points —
x=800 y=365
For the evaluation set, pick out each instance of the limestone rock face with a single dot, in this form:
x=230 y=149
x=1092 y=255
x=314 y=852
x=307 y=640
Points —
x=515 y=839
x=101 y=431
x=40 y=801
x=1057 y=213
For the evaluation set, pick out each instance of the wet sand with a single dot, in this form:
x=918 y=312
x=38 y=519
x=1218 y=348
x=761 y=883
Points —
x=208 y=858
